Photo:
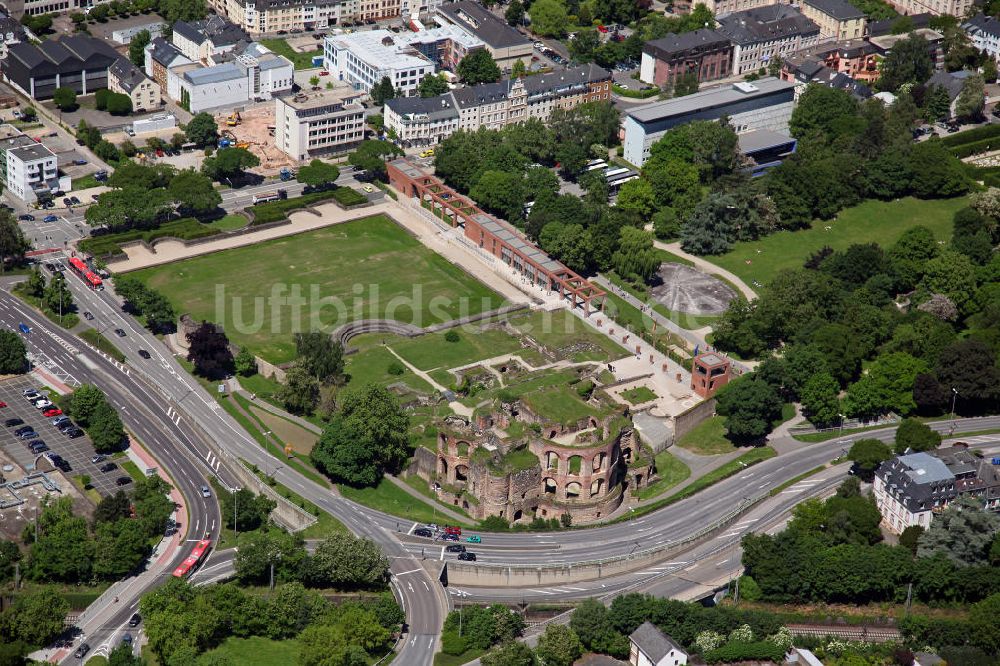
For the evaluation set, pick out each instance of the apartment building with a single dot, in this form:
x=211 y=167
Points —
x=319 y=122
x=269 y=16
x=984 y=31
x=837 y=19
x=706 y=53
x=504 y=43
x=761 y=35
x=722 y=7
x=495 y=105
x=127 y=79
x=28 y=169
x=200 y=40
x=161 y=57
x=763 y=104
x=362 y=59
x=935 y=7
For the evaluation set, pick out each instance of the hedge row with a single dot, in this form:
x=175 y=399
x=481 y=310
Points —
x=972 y=135
x=976 y=147
x=273 y=211
x=186 y=228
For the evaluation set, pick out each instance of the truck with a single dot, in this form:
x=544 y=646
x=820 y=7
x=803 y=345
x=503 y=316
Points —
x=264 y=197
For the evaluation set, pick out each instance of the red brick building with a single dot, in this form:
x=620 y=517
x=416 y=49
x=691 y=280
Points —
x=493 y=235
x=709 y=373
x=707 y=53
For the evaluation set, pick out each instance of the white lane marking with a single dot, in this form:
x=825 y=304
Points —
x=541 y=592
x=412 y=527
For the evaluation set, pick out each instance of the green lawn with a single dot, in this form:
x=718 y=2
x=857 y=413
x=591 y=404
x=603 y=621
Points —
x=257 y=651
x=372 y=366
x=560 y=404
x=433 y=351
x=84 y=183
x=300 y=60
x=103 y=344
x=880 y=222
x=560 y=329
x=639 y=395
x=389 y=498
x=708 y=438
x=132 y=469
x=229 y=222
x=671 y=472
x=367 y=268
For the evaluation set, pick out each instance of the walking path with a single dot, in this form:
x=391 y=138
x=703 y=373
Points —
x=708 y=267
x=409 y=490
x=455 y=405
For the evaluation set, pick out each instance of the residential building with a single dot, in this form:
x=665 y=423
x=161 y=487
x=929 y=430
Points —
x=162 y=56
x=649 y=646
x=269 y=16
x=984 y=31
x=362 y=59
x=722 y=7
x=935 y=42
x=911 y=488
x=27 y=168
x=199 y=40
x=495 y=105
x=706 y=53
x=445 y=45
x=856 y=58
x=420 y=121
x=761 y=35
x=124 y=35
x=953 y=82
x=318 y=122
x=803 y=70
x=11 y=32
x=763 y=104
x=885 y=26
x=79 y=62
x=504 y=43
x=127 y=79
x=18 y=8
x=837 y=19
x=933 y=7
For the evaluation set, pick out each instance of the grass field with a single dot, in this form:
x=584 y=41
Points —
x=292 y=434
x=390 y=498
x=880 y=222
x=671 y=471
x=368 y=268
x=708 y=438
x=300 y=60
x=256 y=651
x=639 y=395
x=103 y=344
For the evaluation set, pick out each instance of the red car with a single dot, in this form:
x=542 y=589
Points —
x=159 y=152
x=602 y=28
x=324 y=73
x=2 y=403
x=55 y=411
x=457 y=531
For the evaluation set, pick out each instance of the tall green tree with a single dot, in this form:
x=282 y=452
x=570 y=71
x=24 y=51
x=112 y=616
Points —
x=318 y=173
x=194 y=193
x=750 y=407
x=13 y=353
x=636 y=258
x=320 y=355
x=229 y=163
x=64 y=99
x=202 y=129
x=820 y=401
x=433 y=85
x=558 y=646
x=13 y=244
x=867 y=455
x=909 y=61
x=478 y=67
x=383 y=91
x=514 y=14
x=913 y=435
x=963 y=533
x=136 y=48
x=549 y=18
x=971 y=99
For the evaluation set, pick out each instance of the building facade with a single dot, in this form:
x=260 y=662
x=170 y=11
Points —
x=837 y=19
x=28 y=169
x=127 y=79
x=934 y=7
x=362 y=59
x=495 y=105
x=504 y=43
x=320 y=122
x=200 y=40
x=79 y=62
x=761 y=35
x=649 y=646
x=984 y=31
x=161 y=57
x=763 y=104
x=723 y=7
x=706 y=53
x=709 y=373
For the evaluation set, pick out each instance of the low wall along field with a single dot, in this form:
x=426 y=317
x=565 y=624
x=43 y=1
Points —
x=364 y=269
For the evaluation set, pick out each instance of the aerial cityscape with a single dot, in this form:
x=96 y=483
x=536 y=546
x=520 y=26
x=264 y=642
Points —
x=499 y=332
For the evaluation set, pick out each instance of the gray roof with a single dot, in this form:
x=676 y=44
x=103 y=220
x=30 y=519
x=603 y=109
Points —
x=31 y=153
x=164 y=52
x=764 y=24
x=216 y=29
x=484 y=93
x=129 y=76
x=925 y=468
x=486 y=26
x=950 y=81
x=218 y=74
x=884 y=27
x=982 y=25
x=838 y=9
x=654 y=643
x=678 y=44
x=555 y=80
x=435 y=108
x=705 y=99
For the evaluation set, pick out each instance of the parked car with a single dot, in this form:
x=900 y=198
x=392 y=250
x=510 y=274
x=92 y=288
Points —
x=38 y=448
x=10 y=423
x=73 y=433
x=455 y=548
x=21 y=431
x=30 y=434
x=449 y=537
x=79 y=162
x=100 y=457
x=59 y=421
x=123 y=480
x=43 y=404
x=87 y=315
x=467 y=557
x=67 y=202
x=52 y=411
x=453 y=529
x=108 y=467
x=2 y=404
x=29 y=393
x=27 y=217
x=75 y=201
x=50 y=218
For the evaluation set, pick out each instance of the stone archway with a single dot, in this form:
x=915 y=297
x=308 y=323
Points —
x=572 y=490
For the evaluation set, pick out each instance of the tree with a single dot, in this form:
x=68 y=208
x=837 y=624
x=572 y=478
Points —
x=84 y=403
x=208 y=349
x=119 y=548
x=137 y=48
x=582 y=46
x=675 y=183
x=514 y=13
x=637 y=196
x=113 y=508
x=518 y=70
x=262 y=548
x=383 y=91
x=202 y=129
x=36 y=618
x=501 y=193
x=969 y=367
x=723 y=218
x=914 y=436
x=194 y=193
x=820 y=401
x=122 y=656
x=938 y=103
x=119 y=104
x=951 y=274
x=711 y=146
x=433 y=85
x=590 y=623
x=245 y=362
x=907 y=62
x=229 y=163
x=13 y=353
x=318 y=173
x=559 y=645
x=971 y=99
x=750 y=407
x=344 y=561
x=887 y=386
x=64 y=99
x=478 y=67
x=569 y=243
x=511 y=653
x=248 y=509
x=320 y=356
x=181 y=10
x=910 y=537
x=13 y=244
x=300 y=392
x=823 y=111
x=63 y=550
x=106 y=151
x=636 y=258
x=963 y=533
x=371 y=156
x=57 y=298
x=867 y=455
x=105 y=429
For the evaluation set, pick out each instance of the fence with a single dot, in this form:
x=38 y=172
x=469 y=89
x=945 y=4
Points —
x=847 y=424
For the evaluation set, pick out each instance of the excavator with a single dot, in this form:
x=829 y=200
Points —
x=234 y=118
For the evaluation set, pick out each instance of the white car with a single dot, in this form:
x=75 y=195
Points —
x=43 y=403
x=205 y=492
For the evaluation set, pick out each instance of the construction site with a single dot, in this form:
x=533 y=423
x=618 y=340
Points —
x=253 y=129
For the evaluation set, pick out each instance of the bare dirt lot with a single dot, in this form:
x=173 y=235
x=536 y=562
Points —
x=683 y=289
x=253 y=130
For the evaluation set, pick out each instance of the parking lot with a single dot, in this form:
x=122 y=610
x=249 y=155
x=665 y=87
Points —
x=77 y=452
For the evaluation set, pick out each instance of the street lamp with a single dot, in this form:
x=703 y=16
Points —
x=954 y=396
x=842 y=417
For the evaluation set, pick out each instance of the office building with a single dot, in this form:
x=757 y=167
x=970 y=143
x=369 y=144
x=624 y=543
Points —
x=319 y=122
x=362 y=59
x=837 y=19
x=761 y=35
x=764 y=104
x=504 y=43
x=984 y=31
x=706 y=53
x=28 y=169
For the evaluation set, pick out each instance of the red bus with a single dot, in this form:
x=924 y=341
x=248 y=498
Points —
x=194 y=559
x=92 y=279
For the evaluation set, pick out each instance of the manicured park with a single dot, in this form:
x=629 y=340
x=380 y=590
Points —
x=367 y=268
x=879 y=222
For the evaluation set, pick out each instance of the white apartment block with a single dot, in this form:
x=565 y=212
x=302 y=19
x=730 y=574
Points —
x=362 y=59
x=28 y=168
x=319 y=122
x=935 y=7
x=984 y=31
